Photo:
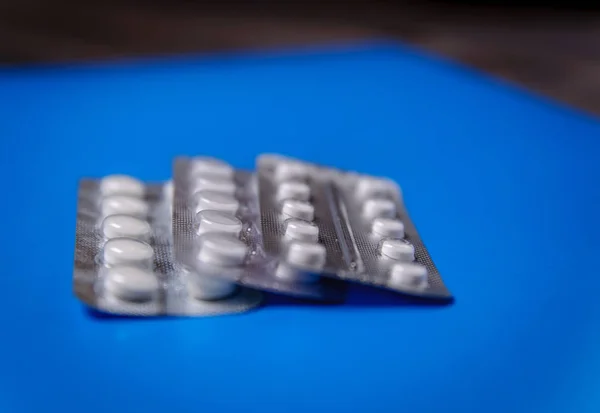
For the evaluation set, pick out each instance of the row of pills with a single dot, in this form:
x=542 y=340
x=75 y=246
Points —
x=127 y=255
x=301 y=235
x=213 y=190
x=377 y=200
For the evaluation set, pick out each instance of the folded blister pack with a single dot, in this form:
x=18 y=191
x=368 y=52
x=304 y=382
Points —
x=343 y=225
x=123 y=255
x=217 y=233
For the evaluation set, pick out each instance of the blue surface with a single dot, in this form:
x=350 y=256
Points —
x=503 y=187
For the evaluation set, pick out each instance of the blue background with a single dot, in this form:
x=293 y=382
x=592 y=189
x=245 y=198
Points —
x=503 y=187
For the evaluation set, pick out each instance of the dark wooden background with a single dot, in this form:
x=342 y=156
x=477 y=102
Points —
x=552 y=51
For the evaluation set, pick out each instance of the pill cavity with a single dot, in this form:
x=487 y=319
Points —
x=131 y=283
x=121 y=185
x=300 y=230
x=211 y=220
x=408 y=275
x=216 y=201
x=293 y=190
x=387 y=228
x=124 y=204
x=122 y=251
x=397 y=249
x=222 y=249
x=117 y=226
x=292 y=208
x=378 y=208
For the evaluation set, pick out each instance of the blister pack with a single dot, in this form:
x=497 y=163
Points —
x=217 y=232
x=124 y=263
x=344 y=225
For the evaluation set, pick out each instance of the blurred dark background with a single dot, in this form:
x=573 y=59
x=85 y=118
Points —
x=554 y=50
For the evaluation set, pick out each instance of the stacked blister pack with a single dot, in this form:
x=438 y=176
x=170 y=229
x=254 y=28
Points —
x=213 y=238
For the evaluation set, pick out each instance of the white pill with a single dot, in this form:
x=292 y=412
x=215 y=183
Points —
x=216 y=200
x=131 y=283
x=116 y=226
x=290 y=170
x=408 y=275
x=378 y=208
x=122 y=185
x=387 y=228
x=210 y=220
x=300 y=230
x=210 y=288
x=122 y=251
x=293 y=208
x=213 y=183
x=222 y=249
x=124 y=204
x=293 y=190
x=369 y=187
x=397 y=249
x=306 y=255
x=211 y=166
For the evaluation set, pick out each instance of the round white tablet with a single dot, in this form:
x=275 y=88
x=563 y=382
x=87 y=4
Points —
x=216 y=200
x=121 y=184
x=387 y=228
x=116 y=226
x=286 y=170
x=300 y=230
x=293 y=190
x=211 y=166
x=397 y=249
x=213 y=183
x=209 y=288
x=222 y=249
x=306 y=255
x=210 y=220
x=370 y=187
x=124 y=204
x=131 y=283
x=378 y=208
x=293 y=208
x=121 y=251
x=408 y=275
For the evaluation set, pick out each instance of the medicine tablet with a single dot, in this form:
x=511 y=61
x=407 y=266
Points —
x=293 y=208
x=222 y=249
x=378 y=208
x=387 y=228
x=131 y=283
x=116 y=226
x=368 y=187
x=409 y=275
x=293 y=190
x=213 y=183
x=124 y=204
x=122 y=185
x=300 y=230
x=289 y=170
x=216 y=200
x=218 y=221
x=130 y=251
x=306 y=255
x=210 y=288
x=211 y=167
x=397 y=249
